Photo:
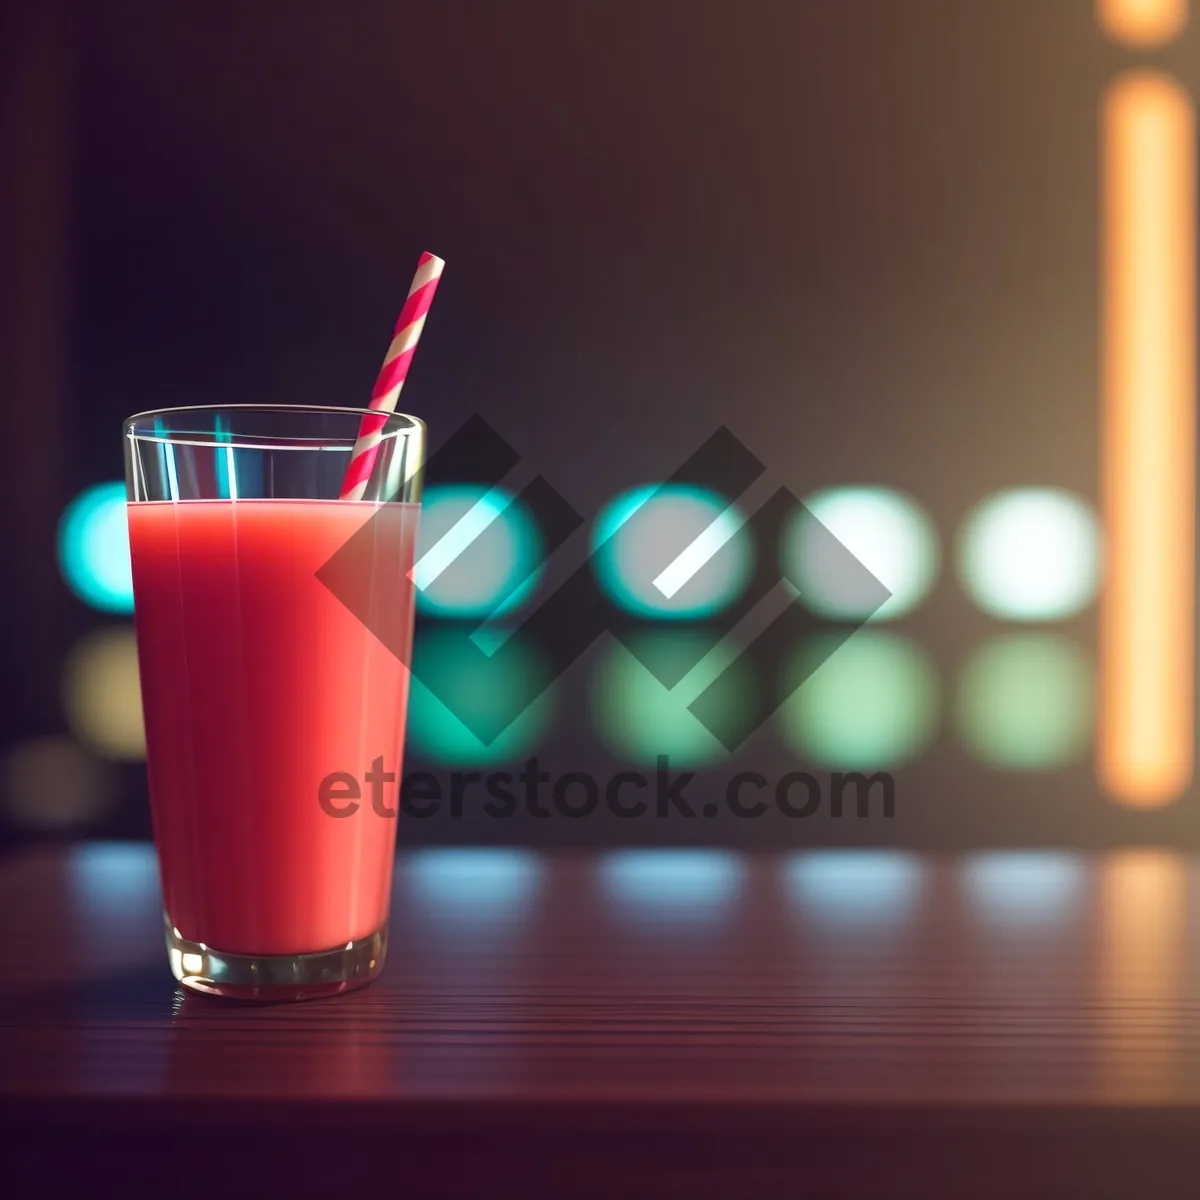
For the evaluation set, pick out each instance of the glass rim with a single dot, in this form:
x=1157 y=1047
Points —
x=332 y=409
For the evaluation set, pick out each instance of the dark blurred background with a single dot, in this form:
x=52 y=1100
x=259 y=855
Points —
x=861 y=233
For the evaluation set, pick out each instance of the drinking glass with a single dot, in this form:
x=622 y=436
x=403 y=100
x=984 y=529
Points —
x=274 y=626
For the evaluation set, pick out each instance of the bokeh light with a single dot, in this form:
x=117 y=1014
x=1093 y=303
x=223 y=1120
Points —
x=1025 y=701
x=93 y=548
x=53 y=783
x=873 y=703
x=1142 y=24
x=475 y=884
x=888 y=532
x=632 y=559
x=1030 y=554
x=1024 y=890
x=117 y=885
x=102 y=694
x=640 y=719
x=479 y=691
x=856 y=888
x=676 y=885
x=479 y=552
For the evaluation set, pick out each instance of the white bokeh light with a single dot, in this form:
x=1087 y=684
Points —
x=1030 y=554
x=889 y=533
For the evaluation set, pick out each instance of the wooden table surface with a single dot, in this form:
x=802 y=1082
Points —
x=643 y=1022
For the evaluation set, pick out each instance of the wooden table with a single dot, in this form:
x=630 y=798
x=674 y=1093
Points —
x=633 y=1023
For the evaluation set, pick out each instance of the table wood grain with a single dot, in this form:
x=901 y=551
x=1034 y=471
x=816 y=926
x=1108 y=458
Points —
x=646 y=1022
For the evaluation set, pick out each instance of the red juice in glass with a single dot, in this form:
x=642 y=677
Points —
x=258 y=683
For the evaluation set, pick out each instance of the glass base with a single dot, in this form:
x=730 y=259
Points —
x=276 y=977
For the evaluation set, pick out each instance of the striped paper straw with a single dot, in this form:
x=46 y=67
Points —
x=392 y=375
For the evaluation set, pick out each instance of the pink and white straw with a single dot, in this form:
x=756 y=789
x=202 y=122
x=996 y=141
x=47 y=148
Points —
x=392 y=375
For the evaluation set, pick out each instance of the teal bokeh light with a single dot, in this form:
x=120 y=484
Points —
x=630 y=559
x=454 y=687
x=479 y=552
x=872 y=704
x=1025 y=701
x=640 y=718
x=93 y=548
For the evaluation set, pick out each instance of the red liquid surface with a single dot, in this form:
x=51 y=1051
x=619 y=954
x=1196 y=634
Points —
x=257 y=683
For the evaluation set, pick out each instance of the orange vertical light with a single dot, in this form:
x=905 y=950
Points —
x=1142 y=23
x=1146 y=720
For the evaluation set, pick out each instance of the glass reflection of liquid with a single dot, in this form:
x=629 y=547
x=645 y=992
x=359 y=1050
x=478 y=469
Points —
x=1144 y=926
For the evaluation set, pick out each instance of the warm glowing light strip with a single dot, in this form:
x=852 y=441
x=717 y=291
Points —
x=1146 y=721
x=1142 y=24
x=1144 y=938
